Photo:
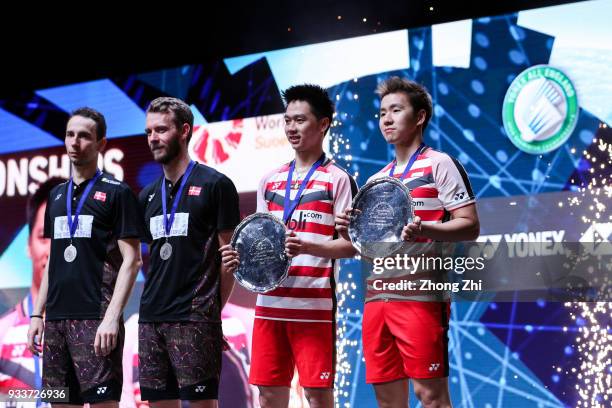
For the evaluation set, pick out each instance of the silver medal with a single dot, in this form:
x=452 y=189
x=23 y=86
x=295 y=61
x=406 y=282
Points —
x=165 y=251
x=70 y=253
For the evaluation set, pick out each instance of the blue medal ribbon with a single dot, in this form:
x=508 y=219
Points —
x=289 y=204
x=168 y=221
x=73 y=222
x=410 y=162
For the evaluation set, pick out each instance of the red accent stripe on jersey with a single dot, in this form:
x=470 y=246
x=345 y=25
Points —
x=303 y=314
x=324 y=207
x=19 y=350
x=281 y=185
x=386 y=169
x=424 y=192
x=272 y=206
x=324 y=293
x=405 y=293
x=324 y=168
x=429 y=215
x=13 y=384
x=312 y=271
x=316 y=228
x=425 y=170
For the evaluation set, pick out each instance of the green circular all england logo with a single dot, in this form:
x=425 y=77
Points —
x=540 y=109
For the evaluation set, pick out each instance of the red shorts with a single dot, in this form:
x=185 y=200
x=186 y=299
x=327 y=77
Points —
x=279 y=346
x=405 y=340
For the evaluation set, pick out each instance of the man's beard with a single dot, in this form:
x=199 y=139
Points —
x=172 y=151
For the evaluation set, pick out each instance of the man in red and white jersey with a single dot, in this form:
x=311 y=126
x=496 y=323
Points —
x=295 y=323
x=405 y=334
x=19 y=368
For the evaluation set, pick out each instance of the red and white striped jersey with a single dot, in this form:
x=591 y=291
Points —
x=18 y=367
x=438 y=184
x=308 y=293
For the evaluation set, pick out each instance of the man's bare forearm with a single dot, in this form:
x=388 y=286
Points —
x=227 y=286
x=126 y=277
x=226 y=277
x=335 y=249
x=459 y=229
x=464 y=225
x=41 y=300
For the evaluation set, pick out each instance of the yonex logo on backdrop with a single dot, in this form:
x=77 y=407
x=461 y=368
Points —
x=598 y=232
x=540 y=109
x=597 y=237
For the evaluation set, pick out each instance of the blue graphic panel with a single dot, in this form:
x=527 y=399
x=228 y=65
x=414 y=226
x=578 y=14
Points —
x=17 y=135
x=123 y=116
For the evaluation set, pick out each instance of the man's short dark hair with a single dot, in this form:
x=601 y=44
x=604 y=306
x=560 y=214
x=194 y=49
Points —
x=316 y=96
x=40 y=197
x=417 y=94
x=94 y=115
x=181 y=111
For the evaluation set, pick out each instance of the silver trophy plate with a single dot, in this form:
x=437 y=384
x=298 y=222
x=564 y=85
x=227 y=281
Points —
x=260 y=242
x=381 y=210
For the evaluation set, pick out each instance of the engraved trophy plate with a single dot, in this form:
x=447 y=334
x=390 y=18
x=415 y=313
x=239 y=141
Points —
x=260 y=242
x=382 y=208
